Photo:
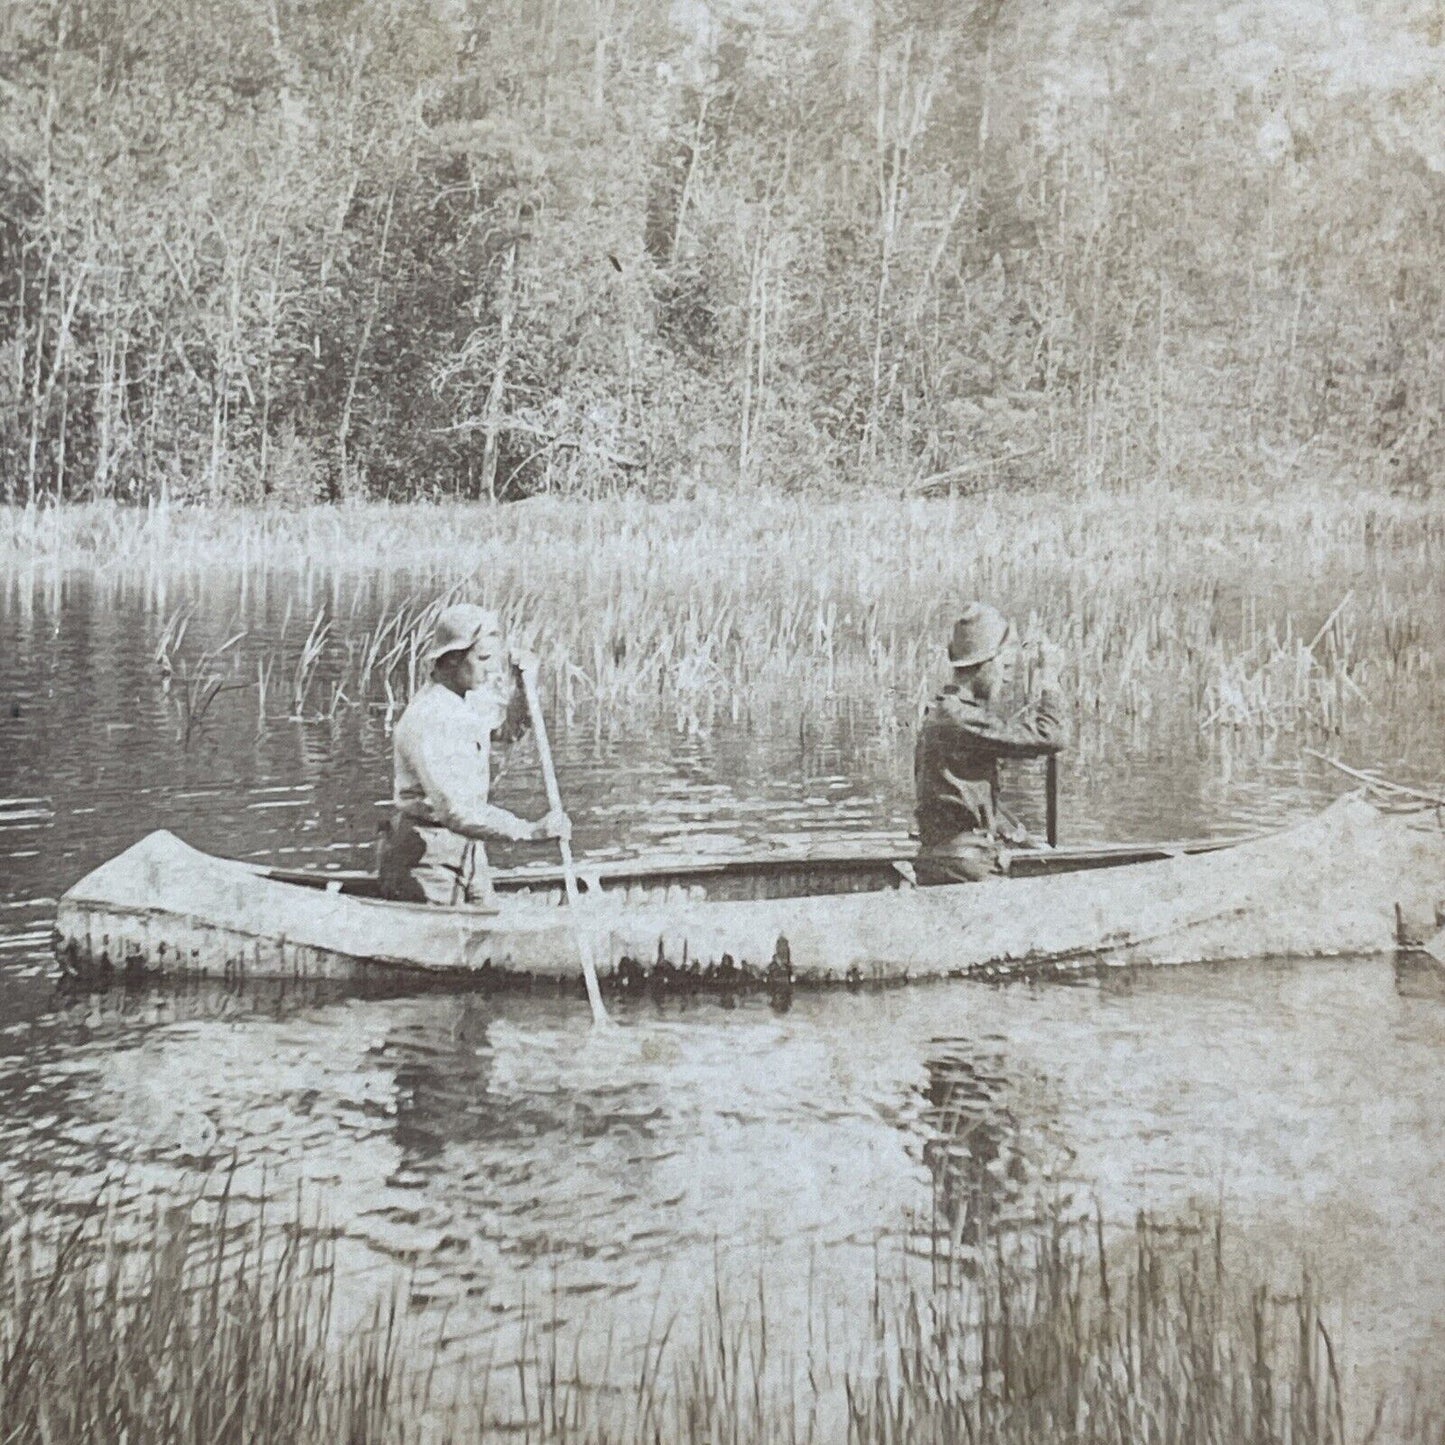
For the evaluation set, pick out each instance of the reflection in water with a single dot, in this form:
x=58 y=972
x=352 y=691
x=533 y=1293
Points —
x=1418 y=975
x=502 y=1153
x=972 y=1154
x=442 y=1097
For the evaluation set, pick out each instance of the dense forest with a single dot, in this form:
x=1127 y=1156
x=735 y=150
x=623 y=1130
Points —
x=296 y=250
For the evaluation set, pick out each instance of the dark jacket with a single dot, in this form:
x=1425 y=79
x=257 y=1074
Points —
x=955 y=764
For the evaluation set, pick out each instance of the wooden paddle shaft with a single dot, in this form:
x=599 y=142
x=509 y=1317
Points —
x=569 y=873
x=1051 y=799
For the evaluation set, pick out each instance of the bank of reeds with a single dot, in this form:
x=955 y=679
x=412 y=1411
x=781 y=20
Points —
x=194 y=1331
x=1061 y=1342
x=220 y=1331
x=1279 y=614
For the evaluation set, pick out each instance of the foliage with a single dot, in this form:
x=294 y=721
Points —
x=315 y=249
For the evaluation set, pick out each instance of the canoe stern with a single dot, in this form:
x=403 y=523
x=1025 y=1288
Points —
x=163 y=907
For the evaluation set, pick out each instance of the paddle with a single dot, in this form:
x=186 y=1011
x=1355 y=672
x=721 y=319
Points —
x=569 y=874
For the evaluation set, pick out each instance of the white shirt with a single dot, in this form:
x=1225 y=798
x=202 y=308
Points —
x=443 y=753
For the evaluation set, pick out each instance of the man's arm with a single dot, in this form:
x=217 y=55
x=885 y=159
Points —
x=516 y=720
x=447 y=771
x=1038 y=729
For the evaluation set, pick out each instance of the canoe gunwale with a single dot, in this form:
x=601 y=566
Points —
x=594 y=877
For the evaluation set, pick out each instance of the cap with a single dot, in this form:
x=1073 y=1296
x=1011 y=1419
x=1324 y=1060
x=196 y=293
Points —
x=978 y=635
x=459 y=626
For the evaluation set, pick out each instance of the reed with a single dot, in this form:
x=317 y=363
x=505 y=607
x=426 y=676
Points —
x=264 y=667
x=1061 y=1339
x=304 y=675
x=192 y=684
x=1306 y=612
x=208 y=1327
x=194 y=1331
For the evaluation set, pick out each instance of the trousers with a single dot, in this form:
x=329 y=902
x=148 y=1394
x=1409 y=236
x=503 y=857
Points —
x=969 y=858
x=424 y=863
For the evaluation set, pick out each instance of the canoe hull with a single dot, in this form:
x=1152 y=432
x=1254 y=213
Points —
x=164 y=908
x=1330 y=886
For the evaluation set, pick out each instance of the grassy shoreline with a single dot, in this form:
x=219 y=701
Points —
x=209 y=1326
x=444 y=536
x=1306 y=611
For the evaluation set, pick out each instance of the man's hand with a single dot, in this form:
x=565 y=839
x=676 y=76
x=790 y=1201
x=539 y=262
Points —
x=555 y=825
x=1045 y=659
x=525 y=661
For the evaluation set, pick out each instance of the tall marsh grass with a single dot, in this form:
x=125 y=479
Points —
x=1300 y=612
x=216 y=1331
x=225 y=1331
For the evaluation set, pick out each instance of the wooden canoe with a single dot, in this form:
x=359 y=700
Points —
x=1333 y=884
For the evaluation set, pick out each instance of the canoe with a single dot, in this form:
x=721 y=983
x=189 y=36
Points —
x=1333 y=884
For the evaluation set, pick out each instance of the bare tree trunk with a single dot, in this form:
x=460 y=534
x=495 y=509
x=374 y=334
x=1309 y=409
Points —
x=492 y=413
x=332 y=240
x=750 y=353
x=104 y=403
x=896 y=134
x=122 y=437
x=218 y=431
x=41 y=396
x=686 y=195
x=22 y=334
x=755 y=344
x=64 y=431
x=230 y=351
x=888 y=158
x=35 y=383
x=604 y=12
x=273 y=305
x=344 y=431
x=150 y=446
x=32 y=460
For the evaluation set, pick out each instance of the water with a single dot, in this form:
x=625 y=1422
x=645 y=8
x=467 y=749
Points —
x=498 y=1158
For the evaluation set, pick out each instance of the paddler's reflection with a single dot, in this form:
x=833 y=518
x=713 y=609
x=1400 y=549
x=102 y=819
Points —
x=972 y=1149
x=1419 y=975
x=443 y=1063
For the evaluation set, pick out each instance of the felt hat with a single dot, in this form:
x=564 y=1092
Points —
x=459 y=626
x=979 y=634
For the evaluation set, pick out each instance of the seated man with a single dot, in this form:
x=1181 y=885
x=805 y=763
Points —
x=960 y=742
x=436 y=852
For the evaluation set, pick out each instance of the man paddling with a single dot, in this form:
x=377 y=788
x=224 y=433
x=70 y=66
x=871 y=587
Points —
x=436 y=850
x=963 y=737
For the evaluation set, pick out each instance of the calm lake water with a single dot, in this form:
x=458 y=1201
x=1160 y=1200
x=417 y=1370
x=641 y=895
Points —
x=502 y=1162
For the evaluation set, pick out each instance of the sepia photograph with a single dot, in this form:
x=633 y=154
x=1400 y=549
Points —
x=722 y=722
